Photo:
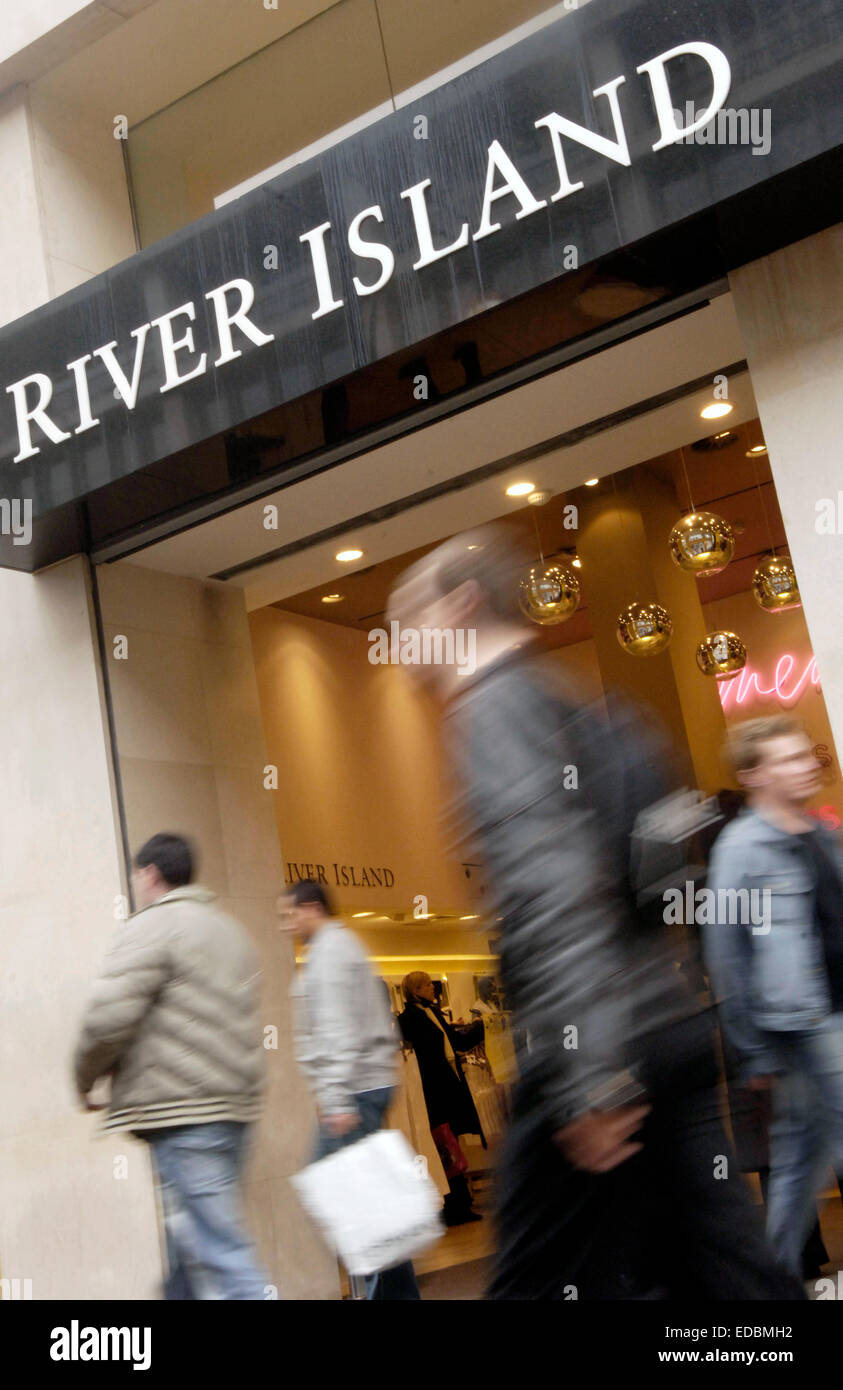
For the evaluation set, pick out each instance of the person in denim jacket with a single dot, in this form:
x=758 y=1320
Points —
x=775 y=959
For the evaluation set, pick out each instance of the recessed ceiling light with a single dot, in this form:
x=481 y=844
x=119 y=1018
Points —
x=520 y=489
x=756 y=449
x=713 y=412
x=333 y=598
x=345 y=555
x=592 y=482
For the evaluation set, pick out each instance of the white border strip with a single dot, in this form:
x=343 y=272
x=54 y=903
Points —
x=406 y=98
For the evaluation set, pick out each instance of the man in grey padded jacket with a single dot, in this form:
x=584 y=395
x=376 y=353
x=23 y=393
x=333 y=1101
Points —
x=607 y=1189
x=345 y=1041
x=173 y=1021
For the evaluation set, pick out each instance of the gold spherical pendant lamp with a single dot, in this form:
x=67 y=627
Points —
x=722 y=655
x=644 y=629
x=702 y=543
x=774 y=585
x=549 y=593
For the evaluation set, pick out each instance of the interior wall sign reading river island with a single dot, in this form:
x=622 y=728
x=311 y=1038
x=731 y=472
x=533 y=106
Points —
x=343 y=875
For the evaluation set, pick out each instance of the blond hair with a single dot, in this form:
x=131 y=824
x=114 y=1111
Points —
x=743 y=747
x=410 y=983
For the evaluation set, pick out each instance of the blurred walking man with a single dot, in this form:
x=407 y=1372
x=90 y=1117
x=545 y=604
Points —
x=174 y=1022
x=781 y=978
x=345 y=1042
x=609 y=1185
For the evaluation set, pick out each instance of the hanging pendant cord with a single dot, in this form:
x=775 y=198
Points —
x=619 y=510
x=687 y=479
x=538 y=535
x=763 y=508
x=385 y=57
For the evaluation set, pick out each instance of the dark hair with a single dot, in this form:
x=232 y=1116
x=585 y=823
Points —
x=172 y=856
x=497 y=560
x=307 y=891
x=496 y=557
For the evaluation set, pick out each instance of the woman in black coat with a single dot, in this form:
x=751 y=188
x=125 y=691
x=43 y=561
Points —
x=450 y=1108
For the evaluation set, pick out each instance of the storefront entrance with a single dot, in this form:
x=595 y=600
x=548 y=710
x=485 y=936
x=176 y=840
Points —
x=540 y=269
x=320 y=762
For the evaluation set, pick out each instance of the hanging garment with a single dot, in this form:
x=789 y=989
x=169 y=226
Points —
x=408 y=1112
x=500 y=1049
x=486 y=1095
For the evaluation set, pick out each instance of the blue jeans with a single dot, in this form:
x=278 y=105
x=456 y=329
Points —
x=209 y=1253
x=400 y=1281
x=806 y=1133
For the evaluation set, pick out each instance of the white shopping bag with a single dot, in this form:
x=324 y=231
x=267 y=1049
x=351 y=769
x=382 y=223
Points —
x=373 y=1201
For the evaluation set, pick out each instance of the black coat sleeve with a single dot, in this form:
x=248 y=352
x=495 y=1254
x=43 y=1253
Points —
x=464 y=1037
x=562 y=921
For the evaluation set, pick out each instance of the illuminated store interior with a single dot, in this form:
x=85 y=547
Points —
x=362 y=786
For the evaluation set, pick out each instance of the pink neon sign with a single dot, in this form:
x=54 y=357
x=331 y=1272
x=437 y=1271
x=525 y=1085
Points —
x=784 y=688
x=827 y=814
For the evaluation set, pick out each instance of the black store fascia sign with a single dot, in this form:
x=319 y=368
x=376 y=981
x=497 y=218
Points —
x=591 y=133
